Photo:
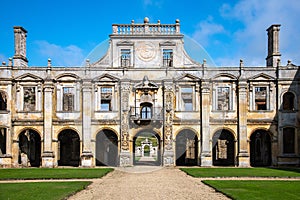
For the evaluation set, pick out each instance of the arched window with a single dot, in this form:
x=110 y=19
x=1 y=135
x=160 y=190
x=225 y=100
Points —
x=288 y=101
x=3 y=101
x=146 y=112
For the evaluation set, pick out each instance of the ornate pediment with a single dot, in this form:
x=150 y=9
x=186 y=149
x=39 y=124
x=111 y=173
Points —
x=106 y=78
x=146 y=84
x=125 y=43
x=224 y=77
x=167 y=43
x=29 y=77
x=67 y=77
x=261 y=77
x=187 y=77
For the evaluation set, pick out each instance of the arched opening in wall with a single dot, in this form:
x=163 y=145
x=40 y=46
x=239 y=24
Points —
x=106 y=148
x=29 y=148
x=223 y=148
x=288 y=101
x=186 y=148
x=260 y=149
x=3 y=101
x=68 y=148
x=147 y=148
x=146 y=111
x=2 y=141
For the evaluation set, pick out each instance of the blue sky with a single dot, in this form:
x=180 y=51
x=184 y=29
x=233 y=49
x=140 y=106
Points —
x=229 y=30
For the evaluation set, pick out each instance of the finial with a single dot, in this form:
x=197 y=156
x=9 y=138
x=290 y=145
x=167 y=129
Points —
x=49 y=62
x=158 y=21
x=146 y=20
x=177 y=21
x=10 y=62
x=289 y=62
x=241 y=63
x=132 y=21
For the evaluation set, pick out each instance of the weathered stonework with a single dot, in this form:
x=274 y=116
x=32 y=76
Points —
x=147 y=84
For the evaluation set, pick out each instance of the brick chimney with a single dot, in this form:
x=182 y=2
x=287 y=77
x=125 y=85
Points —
x=273 y=45
x=20 y=59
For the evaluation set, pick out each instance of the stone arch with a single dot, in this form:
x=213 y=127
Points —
x=260 y=148
x=29 y=148
x=155 y=149
x=223 y=148
x=288 y=101
x=186 y=148
x=68 y=148
x=106 y=148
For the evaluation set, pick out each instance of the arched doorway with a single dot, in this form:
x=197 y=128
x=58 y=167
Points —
x=30 y=148
x=223 y=148
x=260 y=149
x=186 y=148
x=146 y=147
x=68 y=148
x=106 y=148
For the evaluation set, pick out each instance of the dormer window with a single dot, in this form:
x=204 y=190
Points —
x=167 y=57
x=125 y=57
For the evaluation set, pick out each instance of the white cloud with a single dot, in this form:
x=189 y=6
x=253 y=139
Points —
x=206 y=30
x=62 y=56
x=246 y=36
x=256 y=16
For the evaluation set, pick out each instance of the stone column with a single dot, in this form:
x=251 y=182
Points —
x=125 y=155
x=87 y=155
x=206 y=157
x=168 y=156
x=243 y=154
x=48 y=155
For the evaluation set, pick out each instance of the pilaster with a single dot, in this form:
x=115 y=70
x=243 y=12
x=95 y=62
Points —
x=87 y=155
x=243 y=154
x=125 y=155
x=168 y=156
x=206 y=157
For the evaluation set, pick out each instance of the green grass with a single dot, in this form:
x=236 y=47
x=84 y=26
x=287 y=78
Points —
x=43 y=190
x=257 y=189
x=53 y=173
x=242 y=172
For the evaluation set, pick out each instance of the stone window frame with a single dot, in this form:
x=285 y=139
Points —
x=295 y=141
x=294 y=109
x=269 y=88
x=170 y=60
x=231 y=102
x=20 y=96
x=3 y=101
x=179 y=102
x=167 y=46
x=125 y=45
x=59 y=96
x=97 y=96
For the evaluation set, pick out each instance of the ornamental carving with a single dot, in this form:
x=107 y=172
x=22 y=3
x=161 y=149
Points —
x=125 y=88
x=146 y=51
x=169 y=98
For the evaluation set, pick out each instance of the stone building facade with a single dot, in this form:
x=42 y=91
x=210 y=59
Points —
x=147 y=83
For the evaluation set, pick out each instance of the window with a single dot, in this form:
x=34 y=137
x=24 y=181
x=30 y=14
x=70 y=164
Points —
x=187 y=98
x=68 y=99
x=260 y=98
x=223 y=98
x=146 y=112
x=288 y=101
x=125 y=57
x=3 y=101
x=29 y=99
x=288 y=140
x=167 y=57
x=2 y=141
x=106 y=98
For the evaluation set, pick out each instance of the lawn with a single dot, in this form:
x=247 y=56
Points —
x=257 y=189
x=242 y=172
x=53 y=173
x=42 y=190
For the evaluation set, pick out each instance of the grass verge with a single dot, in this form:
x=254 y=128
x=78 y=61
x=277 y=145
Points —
x=242 y=172
x=257 y=189
x=53 y=173
x=43 y=191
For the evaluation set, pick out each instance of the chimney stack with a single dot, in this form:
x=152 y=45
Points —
x=20 y=59
x=273 y=45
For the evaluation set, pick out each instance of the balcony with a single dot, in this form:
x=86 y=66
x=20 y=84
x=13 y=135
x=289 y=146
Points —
x=142 y=116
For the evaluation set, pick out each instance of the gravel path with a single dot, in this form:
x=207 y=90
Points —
x=163 y=183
